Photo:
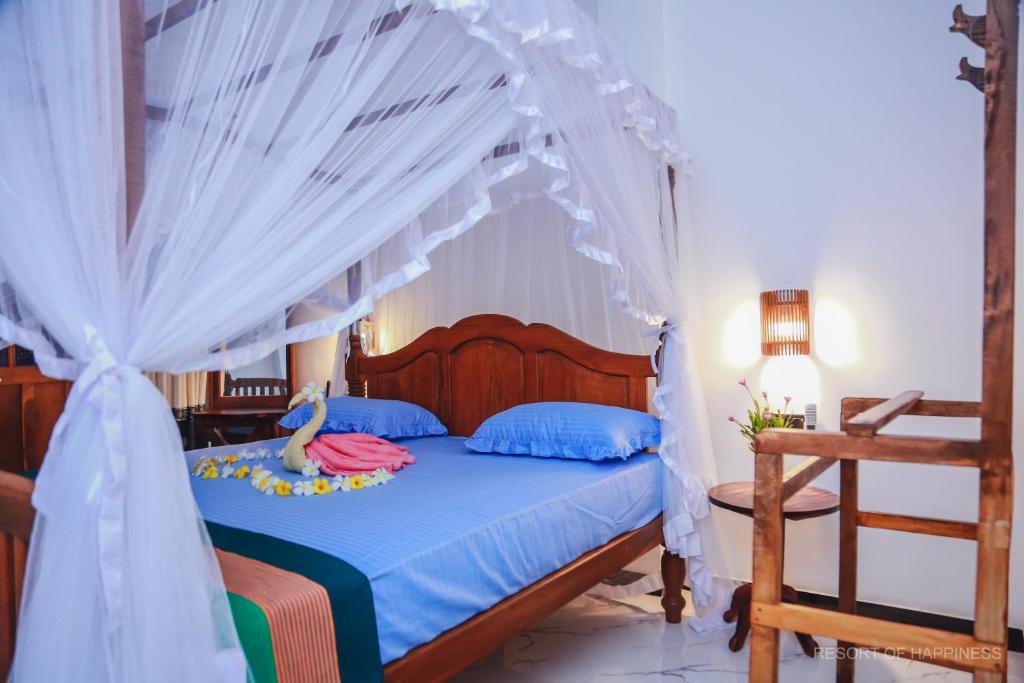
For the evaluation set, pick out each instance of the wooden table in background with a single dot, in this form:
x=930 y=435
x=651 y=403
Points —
x=223 y=426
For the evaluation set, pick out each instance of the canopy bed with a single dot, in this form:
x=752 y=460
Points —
x=470 y=537
x=195 y=168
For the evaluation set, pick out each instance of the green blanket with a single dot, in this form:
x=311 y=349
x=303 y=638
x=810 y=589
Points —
x=348 y=590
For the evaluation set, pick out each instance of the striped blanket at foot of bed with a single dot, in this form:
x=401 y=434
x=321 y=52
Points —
x=301 y=615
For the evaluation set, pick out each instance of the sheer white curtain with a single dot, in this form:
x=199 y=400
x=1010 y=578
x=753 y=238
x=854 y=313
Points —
x=518 y=262
x=184 y=393
x=298 y=153
x=288 y=141
x=616 y=209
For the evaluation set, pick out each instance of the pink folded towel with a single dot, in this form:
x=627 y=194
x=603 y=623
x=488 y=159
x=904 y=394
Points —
x=356 y=454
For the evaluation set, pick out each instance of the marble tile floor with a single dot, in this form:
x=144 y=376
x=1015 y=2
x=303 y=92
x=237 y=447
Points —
x=596 y=640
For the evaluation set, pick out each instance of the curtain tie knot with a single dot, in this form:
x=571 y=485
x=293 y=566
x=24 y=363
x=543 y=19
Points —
x=667 y=330
x=99 y=383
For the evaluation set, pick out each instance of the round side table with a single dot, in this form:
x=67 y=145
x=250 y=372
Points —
x=807 y=503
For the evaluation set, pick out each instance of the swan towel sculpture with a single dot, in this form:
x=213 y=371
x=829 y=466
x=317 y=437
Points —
x=339 y=454
x=295 y=449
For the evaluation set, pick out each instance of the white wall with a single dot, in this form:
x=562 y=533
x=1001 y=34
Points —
x=835 y=152
x=314 y=360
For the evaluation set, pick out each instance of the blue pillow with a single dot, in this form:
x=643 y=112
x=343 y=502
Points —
x=579 y=431
x=380 y=417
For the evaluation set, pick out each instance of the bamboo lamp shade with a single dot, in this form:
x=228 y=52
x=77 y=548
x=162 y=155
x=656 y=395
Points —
x=785 y=323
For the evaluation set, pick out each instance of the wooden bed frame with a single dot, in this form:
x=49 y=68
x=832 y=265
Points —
x=464 y=374
x=484 y=364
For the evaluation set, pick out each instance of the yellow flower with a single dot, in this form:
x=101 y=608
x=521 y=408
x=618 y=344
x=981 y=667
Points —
x=357 y=483
x=210 y=472
x=321 y=486
x=242 y=472
x=283 y=488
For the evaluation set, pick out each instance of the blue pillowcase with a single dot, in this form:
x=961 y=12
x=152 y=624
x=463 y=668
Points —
x=579 y=431
x=380 y=417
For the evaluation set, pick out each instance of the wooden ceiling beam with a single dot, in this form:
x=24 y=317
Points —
x=378 y=26
x=174 y=15
x=505 y=150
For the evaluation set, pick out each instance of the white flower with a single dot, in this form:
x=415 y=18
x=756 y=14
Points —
x=302 y=488
x=279 y=454
x=226 y=471
x=269 y=491
x=346 y=485
x=379 y=476
x=335 y=485
x=313 y=393
x=311 y=468
x=260 y=476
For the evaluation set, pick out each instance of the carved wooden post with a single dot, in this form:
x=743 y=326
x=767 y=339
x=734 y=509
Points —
x=673 y=571
x=133 y=74
x=996 y=503
x=769 y=549
x=845 y=665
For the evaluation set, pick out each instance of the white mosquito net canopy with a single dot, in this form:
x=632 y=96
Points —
x=307 y=153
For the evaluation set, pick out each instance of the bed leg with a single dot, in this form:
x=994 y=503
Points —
x=673 y=571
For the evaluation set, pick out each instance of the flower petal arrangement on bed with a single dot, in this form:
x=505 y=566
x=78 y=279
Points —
x=357 y=460
x=419 y=541
x=263 y=477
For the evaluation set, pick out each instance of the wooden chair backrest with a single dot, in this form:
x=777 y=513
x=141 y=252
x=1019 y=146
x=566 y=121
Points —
x=254 y=386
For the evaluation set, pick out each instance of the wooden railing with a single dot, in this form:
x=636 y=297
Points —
x=984 y=652
x=859 y=440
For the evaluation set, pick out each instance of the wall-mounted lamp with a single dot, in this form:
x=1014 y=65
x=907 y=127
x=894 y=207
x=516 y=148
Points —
x=785 y=323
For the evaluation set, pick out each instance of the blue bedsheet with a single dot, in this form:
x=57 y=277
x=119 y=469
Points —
x=453 y=534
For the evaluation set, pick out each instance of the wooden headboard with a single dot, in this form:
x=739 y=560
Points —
x=484 y=364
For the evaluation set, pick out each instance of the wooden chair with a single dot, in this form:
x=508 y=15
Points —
x=984 y=653
x=254 y=386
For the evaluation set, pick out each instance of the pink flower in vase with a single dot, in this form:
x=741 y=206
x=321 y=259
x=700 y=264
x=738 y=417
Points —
x=743 y=382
